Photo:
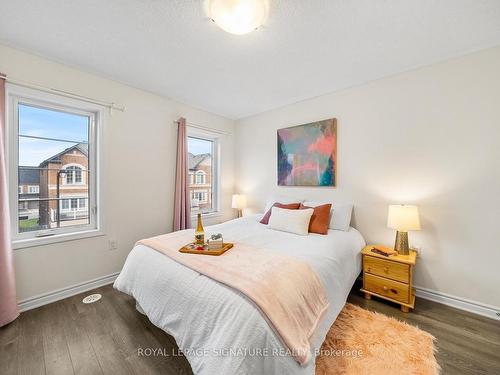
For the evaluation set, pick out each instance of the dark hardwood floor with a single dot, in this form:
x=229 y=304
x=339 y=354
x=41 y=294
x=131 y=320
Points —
x=466 y=343
x=68 y=337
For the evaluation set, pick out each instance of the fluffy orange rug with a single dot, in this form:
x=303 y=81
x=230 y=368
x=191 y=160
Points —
x=364 y=342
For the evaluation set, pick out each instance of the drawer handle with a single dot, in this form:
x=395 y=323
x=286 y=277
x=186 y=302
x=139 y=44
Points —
x=392 y=290
x=369 y=269
x=386 y=270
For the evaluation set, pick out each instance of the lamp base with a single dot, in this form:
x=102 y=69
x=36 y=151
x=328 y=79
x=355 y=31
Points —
x=401 y=243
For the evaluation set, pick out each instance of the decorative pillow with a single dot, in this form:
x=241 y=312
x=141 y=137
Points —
x=283 y=199
x=320 y=218
x=340 y=218
x=293 y=221
x=290 y=206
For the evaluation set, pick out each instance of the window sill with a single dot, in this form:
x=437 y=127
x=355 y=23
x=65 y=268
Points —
x=63 y=237
x=207 y=215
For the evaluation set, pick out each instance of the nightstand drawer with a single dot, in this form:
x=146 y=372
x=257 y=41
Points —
x=387 y=268
x=387 y=288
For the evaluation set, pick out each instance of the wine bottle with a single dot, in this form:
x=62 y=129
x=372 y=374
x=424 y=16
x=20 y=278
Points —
x=199 y=234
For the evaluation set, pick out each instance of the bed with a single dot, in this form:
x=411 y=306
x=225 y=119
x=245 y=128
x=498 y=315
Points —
x=219 y=330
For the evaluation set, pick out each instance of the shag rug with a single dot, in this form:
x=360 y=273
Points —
x=364 y=342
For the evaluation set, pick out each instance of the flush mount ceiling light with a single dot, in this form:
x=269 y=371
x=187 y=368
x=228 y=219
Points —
x=238 y=16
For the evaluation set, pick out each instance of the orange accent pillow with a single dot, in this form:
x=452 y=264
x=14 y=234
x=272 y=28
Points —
x=320 y=218
x=289 y=206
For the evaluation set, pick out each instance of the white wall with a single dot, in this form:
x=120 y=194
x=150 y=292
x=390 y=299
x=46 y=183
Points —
x=139 y=165
x=429 y=137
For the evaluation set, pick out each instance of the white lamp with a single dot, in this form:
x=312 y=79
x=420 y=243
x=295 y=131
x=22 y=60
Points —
x=403 y=218
x=239 y=202
x=238 y=16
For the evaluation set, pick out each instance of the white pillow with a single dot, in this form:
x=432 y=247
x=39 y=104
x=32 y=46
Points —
x=293 y=221
x=281 y=199
x=340 y=215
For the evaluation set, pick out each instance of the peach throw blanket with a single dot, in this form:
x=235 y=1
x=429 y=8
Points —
x=287 y=291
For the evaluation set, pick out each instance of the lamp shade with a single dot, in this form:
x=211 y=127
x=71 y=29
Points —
x=239 y=201
x=238 y=16
x=403 y=217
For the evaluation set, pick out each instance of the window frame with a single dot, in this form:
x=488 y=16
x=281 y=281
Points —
x=201 y=175
x=216 y=162
x=74 y=167
x=69 y=199
x=36 y=189
x=62 y=203
x=15 y=95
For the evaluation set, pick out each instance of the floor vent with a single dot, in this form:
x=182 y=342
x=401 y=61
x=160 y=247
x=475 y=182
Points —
x=92 y=298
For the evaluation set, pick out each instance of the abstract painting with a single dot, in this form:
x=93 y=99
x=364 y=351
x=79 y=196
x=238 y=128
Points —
x=307 y=154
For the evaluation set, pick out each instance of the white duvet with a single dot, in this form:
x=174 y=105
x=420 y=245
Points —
x=217 y=328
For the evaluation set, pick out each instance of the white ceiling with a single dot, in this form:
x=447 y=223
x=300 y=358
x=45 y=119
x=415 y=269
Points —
x=306 y=48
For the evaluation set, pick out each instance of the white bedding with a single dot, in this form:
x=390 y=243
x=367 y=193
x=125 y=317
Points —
x=214 y=325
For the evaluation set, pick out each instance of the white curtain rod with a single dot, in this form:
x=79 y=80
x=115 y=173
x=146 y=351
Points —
x=206 y=128
x=63 y=93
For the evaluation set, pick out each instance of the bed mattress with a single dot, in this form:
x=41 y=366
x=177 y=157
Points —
x=218 y=329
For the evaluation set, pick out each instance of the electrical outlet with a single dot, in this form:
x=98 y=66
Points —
x=112 y=245
x=418 y=249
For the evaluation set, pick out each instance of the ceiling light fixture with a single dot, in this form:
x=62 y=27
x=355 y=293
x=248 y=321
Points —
x=238 y=16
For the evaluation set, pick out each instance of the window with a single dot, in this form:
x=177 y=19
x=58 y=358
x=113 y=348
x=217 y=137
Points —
x=33 y=189
x=199 y=196
x=52 y=148
x=202 y=160
x=65 y=204
x=200 y=178
x=73 y=175
x=82 y=203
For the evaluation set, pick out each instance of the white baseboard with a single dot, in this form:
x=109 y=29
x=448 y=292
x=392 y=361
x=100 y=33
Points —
x=432 y=295
x=459 y=303
x=56 y=295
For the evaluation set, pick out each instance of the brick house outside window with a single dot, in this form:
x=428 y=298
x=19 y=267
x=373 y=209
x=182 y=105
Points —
x=71 y=165
x=200 y=182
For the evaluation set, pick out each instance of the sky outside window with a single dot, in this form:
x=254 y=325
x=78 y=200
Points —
x=199 y=146
x=41 y=122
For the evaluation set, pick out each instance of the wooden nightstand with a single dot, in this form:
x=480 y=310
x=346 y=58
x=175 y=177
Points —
x=390 y=277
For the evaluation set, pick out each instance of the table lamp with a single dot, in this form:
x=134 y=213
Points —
x=403 y=218
x=239 y=202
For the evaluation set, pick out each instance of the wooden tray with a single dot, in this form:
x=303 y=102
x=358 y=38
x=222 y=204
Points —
x=188 y=250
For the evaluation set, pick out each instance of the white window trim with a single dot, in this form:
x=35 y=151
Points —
x=82 y=170
x=201 y=194
x=203 y=177
x=215 y=137
x=61 y=204
x=16 y=94
x=34 y=187
x=69 y=198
